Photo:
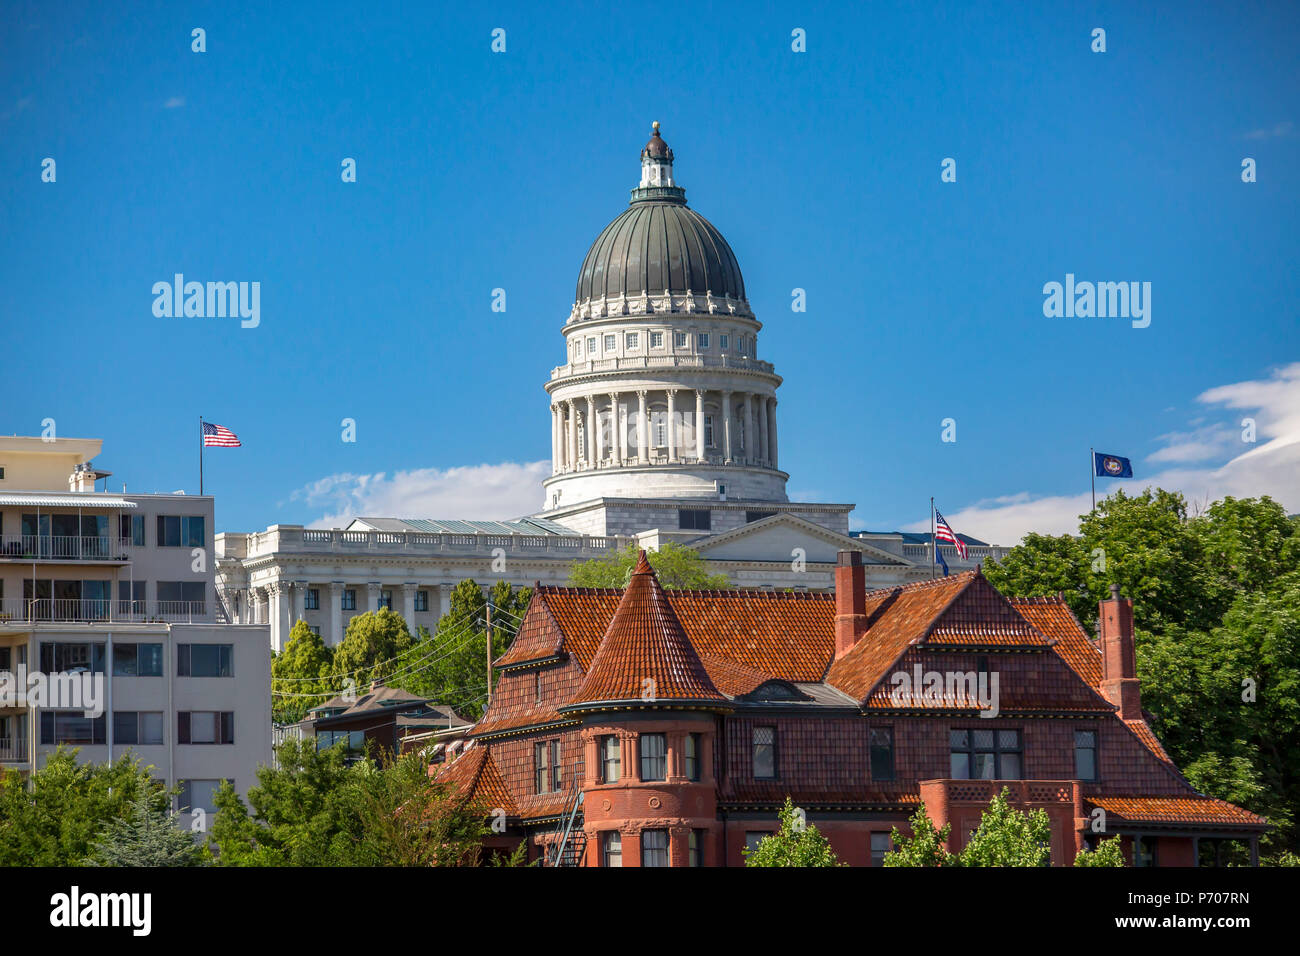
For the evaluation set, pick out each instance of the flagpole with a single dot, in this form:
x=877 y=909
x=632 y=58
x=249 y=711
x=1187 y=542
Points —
x=1092 y=473
x=200 y=456
x=933 y=544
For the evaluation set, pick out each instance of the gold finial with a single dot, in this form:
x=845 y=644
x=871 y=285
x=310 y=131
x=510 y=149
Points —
x=655 y=124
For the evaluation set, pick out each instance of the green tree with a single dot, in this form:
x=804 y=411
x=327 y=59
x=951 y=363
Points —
x=301 y=675
x=371 y=646
x=450 y=667
x=1108 y=853
x=1009 y=837
x=796 y=843
x=926 y=846
x=675 y=565
x=151 y=836
x=54 y=817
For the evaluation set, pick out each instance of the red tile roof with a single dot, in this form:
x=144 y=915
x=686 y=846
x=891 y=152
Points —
x=1053 y=617
x=1197 y=809
x=645 y=653
x=474 y=777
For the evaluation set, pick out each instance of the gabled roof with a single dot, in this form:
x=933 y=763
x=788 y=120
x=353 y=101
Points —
x=814 y=533
x=1195 y=809
x=474 y=777
x=645 y=654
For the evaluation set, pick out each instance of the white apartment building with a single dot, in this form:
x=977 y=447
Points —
x=121 y=586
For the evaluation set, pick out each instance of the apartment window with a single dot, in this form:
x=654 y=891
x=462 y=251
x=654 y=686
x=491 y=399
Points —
x=182 y=531
x=692 y=756
x=764 y=753
x=654 y=847
x=546 y=766
x=58 y=657
x=205 y=660
x=693 y=519
x=723 y=342
x=421 y=600
x=1144 y=851
x=1085 y=754
x=708 y=431
x=654 y=756
x=656 y=340
x=591 y=346
x=137 y=727
x=695 y=848
x=882 y=752
x=182 y=597
x=702 y=341
x=611 y=848
x=137 y=660
x=349 y=602
x=71 y=727
x=985 y=754
x=680 y=340
x=753 y=838
x=205 y=727
x=611 y=759
x=131 y=528
x=130 y=596
x=2 y=473
x=632 y=340
x=880 y=845
x=201 y=795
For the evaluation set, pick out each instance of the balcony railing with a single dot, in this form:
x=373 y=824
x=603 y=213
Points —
x=974 y=553
x=630 y=363
x=28 y=611
x=59 y=547
x=13 y=749
x=412 y=542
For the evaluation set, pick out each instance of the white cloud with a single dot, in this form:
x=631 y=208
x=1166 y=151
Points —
x=475 y=492
x=174 y=102
x=1271 y=466
x=1282 y=130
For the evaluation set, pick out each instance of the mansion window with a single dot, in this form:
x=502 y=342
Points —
x=679 y=340
x=182 y=531
x=693 y=519
x=764 y=753
x=1085 y=754
x=654 y=756
x=386 y=599
x=880 y=845
x=537 y=686
x=985 y=754
x=205 y=727
x=708 y=431
x=722 y=342
x=349 y=601
x=632 y=340
x=702 y=341
x=422 y=600
x=205 y=660
x=656 y=340
x=591 y=347
x=695 y=848
x=692 y=756
x=882 y=753
x=611 y=849
x=753 y=838
x=611 y=759
x=654 y=847
x=611 y=344
x=546 y=766
x=1144 y=851
x=311 y=600
x=137 y=727
x=137 y=660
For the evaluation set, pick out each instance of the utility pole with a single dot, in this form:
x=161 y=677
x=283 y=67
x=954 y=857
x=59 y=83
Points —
x=489 y=650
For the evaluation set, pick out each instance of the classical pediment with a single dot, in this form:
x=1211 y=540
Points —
x=776 y=537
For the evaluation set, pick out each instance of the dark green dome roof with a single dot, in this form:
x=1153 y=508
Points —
x=659 y=244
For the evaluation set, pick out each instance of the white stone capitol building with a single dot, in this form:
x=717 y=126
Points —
x=663 y=428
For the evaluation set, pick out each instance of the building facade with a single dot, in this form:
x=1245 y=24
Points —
x=663 y=428
x=120 y=588
x=653 y=728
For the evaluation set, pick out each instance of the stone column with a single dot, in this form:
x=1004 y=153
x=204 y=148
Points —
x=672 y=425
x=555 y=445
x=615 y=446
x=600 y=438
x=372 y=596
x=444 y=599
x=642 y=431
x=593 y=430
x=277 y=593
x=726 y=425
x=762 y=428
x=750 y=454
x=334 y=635
x=573 y=435
x=408 y=605
x=699 y=423
x=771 y=425
x=299 y=601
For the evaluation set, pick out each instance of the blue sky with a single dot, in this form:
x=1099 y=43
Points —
x=479 y=170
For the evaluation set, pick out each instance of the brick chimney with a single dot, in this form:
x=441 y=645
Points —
x=850 y=601
x=1119 y=680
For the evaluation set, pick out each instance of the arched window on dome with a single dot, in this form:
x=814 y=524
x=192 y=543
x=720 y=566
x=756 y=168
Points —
x=659 y=428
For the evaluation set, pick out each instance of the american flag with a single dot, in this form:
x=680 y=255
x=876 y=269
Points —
x=944 y=533
x=219 y=436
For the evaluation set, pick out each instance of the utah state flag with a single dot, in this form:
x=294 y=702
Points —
x=1112 y=466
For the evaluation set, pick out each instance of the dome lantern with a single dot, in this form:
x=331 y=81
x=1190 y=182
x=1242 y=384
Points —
x=656 y=161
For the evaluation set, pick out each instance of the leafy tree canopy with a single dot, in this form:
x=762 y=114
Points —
x=301 y=675
x=1005 y=837
x=675 y=565
x=151 y=836
x=796 y=843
